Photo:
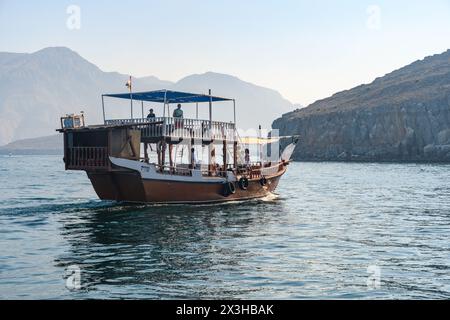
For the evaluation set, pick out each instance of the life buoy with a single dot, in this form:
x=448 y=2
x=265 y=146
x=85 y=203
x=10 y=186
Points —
x=263 y=181
x=229 y=189
x=243 y=183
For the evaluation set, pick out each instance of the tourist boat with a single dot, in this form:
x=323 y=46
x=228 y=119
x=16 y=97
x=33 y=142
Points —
x=206 y=158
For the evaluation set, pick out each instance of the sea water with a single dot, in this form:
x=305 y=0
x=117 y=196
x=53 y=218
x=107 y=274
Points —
x=332 y=230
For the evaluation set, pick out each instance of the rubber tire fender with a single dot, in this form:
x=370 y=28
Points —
x=230 y=189
x=243 y=183
x=263 y=181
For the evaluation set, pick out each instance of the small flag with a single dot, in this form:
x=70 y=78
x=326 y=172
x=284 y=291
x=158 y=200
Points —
x=128 y=84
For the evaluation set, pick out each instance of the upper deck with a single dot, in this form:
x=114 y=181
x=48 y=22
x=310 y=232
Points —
x=169 y=128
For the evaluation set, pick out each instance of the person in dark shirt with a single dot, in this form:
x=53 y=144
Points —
x=151 y=115
x=247 y=158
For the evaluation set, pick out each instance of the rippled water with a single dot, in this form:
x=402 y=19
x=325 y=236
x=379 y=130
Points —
x=332 y=227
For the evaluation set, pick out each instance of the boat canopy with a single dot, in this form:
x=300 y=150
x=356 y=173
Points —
x=167 y=96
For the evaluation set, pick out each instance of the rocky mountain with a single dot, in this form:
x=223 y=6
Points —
x=254 y=104
x=403 y=116
x=37 y=88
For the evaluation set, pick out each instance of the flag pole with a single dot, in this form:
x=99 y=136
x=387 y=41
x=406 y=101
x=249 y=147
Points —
x=130 y=86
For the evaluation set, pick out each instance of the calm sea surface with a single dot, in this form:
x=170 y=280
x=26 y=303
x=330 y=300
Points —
x=357 y=231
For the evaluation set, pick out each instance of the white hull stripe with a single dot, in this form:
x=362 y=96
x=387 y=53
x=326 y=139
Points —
x=149 y=172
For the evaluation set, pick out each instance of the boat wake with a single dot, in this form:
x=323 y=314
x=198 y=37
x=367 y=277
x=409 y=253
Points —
x=270 y=197
x=119 y=206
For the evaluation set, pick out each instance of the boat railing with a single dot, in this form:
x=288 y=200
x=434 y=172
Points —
x=187 y=170
x=256 y=170
x=174 y=170
x=184 y=128
x=87 y=158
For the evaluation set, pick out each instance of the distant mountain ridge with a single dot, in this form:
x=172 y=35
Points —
x=37 y=88
x=42 y=145
x=403 y=116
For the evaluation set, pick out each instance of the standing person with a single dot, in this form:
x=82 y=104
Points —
x=178 y=115
x=193 y=159
x=247 y=158
x=178 y=112
x=151 y=114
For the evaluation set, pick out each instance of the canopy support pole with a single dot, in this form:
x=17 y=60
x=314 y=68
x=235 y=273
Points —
x=224 y=155
x=165 y=101
x=103 y=107
x=142 y=109
x=131 y=98
x=196 y=110
x=145 y=152
x=234 y=112
x=260 y=146
x=235 y=154
x=210 y=108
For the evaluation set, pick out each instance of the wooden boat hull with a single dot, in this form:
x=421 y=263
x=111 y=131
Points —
x=129 y=186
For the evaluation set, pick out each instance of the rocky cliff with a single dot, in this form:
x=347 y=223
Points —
x=403 y=116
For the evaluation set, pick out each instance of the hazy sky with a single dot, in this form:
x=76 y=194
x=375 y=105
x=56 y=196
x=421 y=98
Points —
x=307 y=50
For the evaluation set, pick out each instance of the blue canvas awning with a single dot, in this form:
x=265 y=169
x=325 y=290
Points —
x=167 y=96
